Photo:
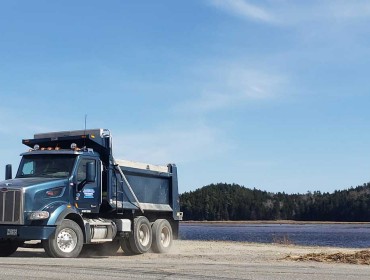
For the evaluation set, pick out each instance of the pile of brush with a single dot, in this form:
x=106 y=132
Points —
x=360 y=257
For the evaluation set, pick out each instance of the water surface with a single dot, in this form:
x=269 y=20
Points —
x=335 y=235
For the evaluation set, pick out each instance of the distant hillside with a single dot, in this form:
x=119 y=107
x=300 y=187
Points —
x=220 y=201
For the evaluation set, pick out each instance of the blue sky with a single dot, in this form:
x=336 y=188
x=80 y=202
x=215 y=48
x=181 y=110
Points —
x=267 y=94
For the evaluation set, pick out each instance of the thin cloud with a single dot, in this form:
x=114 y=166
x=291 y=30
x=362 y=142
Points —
x=233 y=86
x=292 y=12
x=170 y=144
x=244 y=9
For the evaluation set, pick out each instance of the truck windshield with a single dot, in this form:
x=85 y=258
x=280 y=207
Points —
x=55 y=166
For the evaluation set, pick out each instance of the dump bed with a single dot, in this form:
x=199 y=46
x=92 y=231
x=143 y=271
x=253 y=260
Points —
x=155 y=187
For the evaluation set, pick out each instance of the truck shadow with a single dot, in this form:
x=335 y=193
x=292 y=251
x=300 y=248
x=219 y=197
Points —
x=36 y=251
x=29 y=254
x=40 y=253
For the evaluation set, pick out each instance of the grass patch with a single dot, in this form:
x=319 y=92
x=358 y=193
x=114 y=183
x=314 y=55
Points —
x=282 y=240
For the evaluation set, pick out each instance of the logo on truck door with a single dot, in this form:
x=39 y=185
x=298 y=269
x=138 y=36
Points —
x=89 y=193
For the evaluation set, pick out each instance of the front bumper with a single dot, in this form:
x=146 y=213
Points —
x=21 y=232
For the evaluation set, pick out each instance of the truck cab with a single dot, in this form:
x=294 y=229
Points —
x=70 y=193
x=67 y=170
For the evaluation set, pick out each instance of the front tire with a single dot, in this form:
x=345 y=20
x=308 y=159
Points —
x=162 y=236
x=66 y=242
x=8 y=247
x=141 y=238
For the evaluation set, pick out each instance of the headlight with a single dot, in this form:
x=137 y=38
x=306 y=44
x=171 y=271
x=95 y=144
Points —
x=38 y=215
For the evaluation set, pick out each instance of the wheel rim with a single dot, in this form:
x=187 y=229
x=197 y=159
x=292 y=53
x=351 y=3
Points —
x=165 y=236
x=67 y=240
x=144 y=235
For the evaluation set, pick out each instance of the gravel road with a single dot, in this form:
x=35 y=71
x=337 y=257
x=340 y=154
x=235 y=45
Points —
x=187 y=260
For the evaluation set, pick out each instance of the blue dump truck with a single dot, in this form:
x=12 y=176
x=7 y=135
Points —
x=70 y=193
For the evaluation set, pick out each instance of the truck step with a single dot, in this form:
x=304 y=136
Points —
x=101 y=240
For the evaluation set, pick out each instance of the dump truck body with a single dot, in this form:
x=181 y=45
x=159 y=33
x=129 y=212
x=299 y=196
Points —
x=70 y=192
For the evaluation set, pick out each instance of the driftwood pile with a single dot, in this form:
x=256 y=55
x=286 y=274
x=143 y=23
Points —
x=360 y=257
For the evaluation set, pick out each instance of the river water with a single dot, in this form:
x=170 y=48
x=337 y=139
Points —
x=335 y=235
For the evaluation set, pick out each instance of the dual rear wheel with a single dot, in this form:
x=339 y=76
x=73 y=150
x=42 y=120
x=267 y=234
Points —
x=162 y=236
x=157 y=236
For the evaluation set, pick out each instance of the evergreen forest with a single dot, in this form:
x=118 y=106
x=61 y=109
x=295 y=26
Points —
x=232 y=202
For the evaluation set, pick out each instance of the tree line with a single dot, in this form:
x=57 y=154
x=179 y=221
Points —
x=223 y=202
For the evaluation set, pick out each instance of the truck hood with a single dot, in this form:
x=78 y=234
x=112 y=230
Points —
x=18 y=183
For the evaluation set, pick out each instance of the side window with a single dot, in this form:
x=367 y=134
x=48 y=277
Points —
x=81 y=171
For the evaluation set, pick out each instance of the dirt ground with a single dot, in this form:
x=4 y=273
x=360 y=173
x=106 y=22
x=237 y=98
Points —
x=188 y=260
x=240 y=252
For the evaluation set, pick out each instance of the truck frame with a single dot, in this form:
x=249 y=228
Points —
x=71 y=193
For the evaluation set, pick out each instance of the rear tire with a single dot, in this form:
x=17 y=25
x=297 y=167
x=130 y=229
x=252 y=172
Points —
x=162 y=236
x=101 y=249
x=108 y=248
x=125 y=246
x=66 y=242
x=141 y=238
x=8 y=247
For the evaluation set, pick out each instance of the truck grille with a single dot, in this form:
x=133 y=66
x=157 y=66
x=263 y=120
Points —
x=11 y=204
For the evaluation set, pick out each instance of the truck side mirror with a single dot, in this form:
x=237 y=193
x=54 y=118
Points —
x=90 y=172
x=8 y=171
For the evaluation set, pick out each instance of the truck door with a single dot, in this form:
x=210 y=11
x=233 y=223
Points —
x=88 y=195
